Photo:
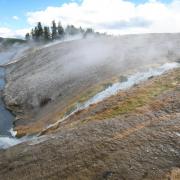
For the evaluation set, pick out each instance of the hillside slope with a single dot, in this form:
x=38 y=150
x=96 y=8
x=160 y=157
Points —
x=132 y=135
x=47 y=81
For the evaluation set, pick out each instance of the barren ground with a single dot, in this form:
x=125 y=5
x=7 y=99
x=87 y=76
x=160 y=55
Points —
x=132 y=135
x=142 y=141
x=46 y=82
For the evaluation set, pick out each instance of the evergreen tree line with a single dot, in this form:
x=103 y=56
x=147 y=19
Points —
x=56 y=31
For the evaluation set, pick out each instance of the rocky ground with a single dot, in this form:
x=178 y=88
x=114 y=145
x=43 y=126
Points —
x=47 y=81
x=133 y=135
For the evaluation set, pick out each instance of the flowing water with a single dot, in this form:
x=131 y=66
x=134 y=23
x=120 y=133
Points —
x=136 y=78
x=6 y=118
x=115 y=88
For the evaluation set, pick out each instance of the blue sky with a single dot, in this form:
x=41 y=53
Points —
x=13 y=13
x=19 y=8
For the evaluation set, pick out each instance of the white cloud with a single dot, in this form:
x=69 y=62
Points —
x=9 y=33
x=114 y=16
x=4 y=32
x=15 y=18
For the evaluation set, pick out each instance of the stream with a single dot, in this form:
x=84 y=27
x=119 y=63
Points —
x=6 y=118
x=116 y=87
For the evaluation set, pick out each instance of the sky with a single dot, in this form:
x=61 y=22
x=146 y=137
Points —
x=112 y=16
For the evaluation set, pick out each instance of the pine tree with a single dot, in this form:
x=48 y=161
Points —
x=27 y=36
x=81 y=30
x=47 y=35
x=60 y=30
x=71 y=30
x=36 y=34
x=33 y=34
x=54 y=30
x=39 y=31
x=88 y=32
